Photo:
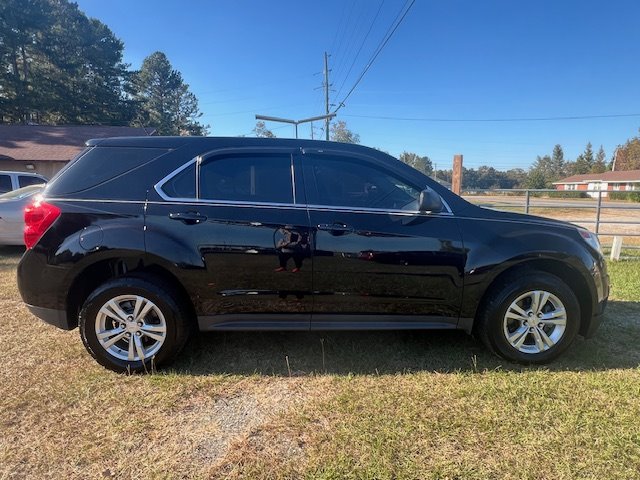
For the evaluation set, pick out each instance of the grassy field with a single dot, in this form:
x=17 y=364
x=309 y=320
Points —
x=369 y=405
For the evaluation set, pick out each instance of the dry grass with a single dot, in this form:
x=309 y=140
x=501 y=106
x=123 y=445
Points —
x=390 y=405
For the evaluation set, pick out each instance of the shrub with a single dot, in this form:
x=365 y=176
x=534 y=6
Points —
x=631 y=196
x=568 y=194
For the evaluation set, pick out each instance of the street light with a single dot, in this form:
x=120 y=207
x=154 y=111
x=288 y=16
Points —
x=295 y=122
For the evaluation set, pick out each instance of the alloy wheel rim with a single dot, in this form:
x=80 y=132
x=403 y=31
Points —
x=535 y=322
x=131 y=328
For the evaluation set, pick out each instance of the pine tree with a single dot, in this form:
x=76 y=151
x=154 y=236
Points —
x=542 y=173
x=164 y=100
x=599 y=165
x=588 y=154
x=557 y=167
x=584 y=162
x=581 y=166
x=59 y=66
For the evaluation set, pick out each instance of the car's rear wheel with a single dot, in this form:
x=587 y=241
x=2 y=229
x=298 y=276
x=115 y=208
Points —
x=132 y=325
x=531 y=317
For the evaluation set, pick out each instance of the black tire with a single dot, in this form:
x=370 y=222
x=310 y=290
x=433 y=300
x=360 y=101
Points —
x=490 y=321
x=175 y=315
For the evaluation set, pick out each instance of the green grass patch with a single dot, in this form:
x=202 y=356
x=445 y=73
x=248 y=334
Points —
x=625 y=279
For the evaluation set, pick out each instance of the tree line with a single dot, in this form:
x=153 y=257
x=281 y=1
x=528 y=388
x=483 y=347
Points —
x=58 y=66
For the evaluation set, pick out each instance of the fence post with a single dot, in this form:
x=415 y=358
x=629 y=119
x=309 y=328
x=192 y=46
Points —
x=598 y=207
x=616 y=248
x=527 y=200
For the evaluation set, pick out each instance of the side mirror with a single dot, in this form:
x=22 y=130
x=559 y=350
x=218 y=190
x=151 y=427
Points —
x=430 y=201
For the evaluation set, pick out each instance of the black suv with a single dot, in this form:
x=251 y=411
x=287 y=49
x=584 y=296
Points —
x=139 y=241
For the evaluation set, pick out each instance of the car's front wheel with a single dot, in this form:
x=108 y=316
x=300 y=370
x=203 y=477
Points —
x=531 y=317
x=132 y=325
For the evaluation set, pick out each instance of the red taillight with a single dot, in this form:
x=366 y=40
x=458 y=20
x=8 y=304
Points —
x=38 y=217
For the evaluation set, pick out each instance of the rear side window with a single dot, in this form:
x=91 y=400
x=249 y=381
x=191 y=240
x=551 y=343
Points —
x=5 y=184
x=26 y=180
x=100 y=164
x=247 y=178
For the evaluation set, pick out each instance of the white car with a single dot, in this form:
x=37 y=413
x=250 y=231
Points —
x=13 y=180
x=12 y=213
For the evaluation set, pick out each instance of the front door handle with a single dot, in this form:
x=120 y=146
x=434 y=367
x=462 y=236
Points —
x=189 y=218
x=336 y=227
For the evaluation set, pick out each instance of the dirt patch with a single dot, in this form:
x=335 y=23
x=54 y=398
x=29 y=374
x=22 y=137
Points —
x=211 y=426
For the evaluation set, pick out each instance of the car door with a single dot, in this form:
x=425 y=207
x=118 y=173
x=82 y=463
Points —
x=247 y=232
x=378 y=263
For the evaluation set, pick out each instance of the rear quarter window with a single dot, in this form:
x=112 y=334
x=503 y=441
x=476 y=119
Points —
x=26 y=180
x=100 y=164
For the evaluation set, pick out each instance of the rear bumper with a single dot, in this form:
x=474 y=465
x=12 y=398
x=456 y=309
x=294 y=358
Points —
x=57 y=318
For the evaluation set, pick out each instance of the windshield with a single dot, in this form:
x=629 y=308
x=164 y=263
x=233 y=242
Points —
x=22 y=192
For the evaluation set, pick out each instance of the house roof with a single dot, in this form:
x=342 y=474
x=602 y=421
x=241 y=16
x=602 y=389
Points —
x=56 y=143
x=617 y=176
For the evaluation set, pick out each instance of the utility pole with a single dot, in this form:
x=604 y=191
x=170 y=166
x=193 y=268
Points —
x=615 y=157
x=456 y=180
x=326 y=96
x=312 y=131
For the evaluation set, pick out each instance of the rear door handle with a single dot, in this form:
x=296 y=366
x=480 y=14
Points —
x=189 y=218
x=335 y=227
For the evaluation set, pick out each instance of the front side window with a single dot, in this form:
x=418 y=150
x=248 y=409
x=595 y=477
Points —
x=247 y=178
x=344 y=182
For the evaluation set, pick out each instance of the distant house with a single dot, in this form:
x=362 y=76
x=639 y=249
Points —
x=46 y=149
x=607 y=181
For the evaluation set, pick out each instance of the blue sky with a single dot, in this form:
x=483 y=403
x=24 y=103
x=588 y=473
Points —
x=448 y=60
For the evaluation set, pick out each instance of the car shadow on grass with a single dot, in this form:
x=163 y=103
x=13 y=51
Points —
x=394 y=352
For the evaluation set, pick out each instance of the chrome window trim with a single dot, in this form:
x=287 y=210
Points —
x=283 y=206
x=338 y=208
x=158 y=186
x=293 y=182
x=198 y=162
x=382 y=211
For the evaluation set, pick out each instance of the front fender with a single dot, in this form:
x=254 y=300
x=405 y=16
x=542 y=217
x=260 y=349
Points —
x=496 y=247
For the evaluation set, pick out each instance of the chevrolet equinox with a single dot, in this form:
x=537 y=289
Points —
x=142 y=241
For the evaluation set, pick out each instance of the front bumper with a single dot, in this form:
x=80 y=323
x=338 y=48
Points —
x=596 y=320
x=57 y=318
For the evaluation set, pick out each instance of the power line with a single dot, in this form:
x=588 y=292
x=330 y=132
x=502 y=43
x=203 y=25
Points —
x=375 y=54
x=350 y=38
x=254 y=84
x=360 y=49
x=225 y=114
x=522 y=119
x=335 y=37
x=342 y=38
